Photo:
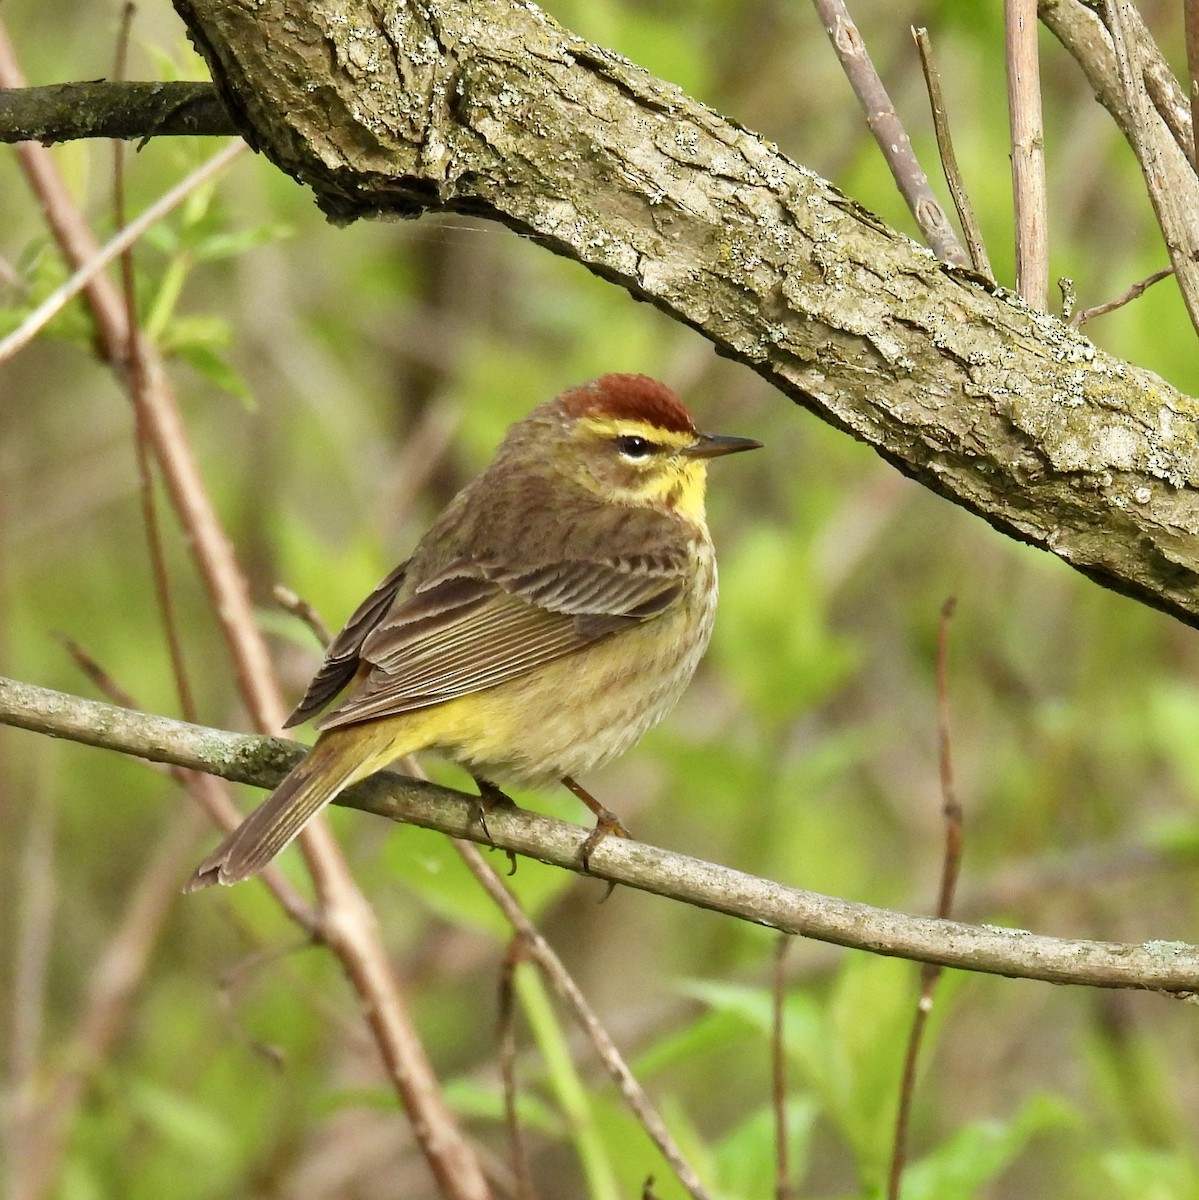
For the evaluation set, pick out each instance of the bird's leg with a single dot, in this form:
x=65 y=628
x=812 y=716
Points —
x=606 y=821
x=490 y=797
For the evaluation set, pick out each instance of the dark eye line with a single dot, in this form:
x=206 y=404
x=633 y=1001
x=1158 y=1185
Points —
x=636 y=447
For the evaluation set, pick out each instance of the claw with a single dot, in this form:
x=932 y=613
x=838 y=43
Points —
x=606 y=822
x=490 y=797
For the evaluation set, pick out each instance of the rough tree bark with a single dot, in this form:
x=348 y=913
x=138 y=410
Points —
x=489 y=107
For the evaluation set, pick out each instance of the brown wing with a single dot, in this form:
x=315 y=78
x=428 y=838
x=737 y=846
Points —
x=342 y=657
x=477 y=625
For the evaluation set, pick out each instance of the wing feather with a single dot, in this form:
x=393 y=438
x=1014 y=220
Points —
x=477 y=624
x=342 y=656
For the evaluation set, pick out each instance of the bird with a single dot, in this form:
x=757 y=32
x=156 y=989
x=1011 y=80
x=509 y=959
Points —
x=553 y=612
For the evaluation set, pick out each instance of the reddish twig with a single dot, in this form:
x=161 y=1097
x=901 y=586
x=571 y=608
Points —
x=1028 y=152
x=136 y=381
x=951 y=807
x=348 y=925
x=889 y=132
x=91 y=265
x=105 y=684
x=206 y=790
x=950 y=866
x=299 y=608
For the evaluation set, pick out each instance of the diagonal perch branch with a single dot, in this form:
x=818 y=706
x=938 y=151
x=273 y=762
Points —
x=1160 y=965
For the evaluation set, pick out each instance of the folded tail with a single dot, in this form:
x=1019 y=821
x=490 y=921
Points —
x=339 y=758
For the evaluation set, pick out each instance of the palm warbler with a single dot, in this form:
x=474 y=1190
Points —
x=552 y=614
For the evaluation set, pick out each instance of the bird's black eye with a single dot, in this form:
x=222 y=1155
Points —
x=632 y=446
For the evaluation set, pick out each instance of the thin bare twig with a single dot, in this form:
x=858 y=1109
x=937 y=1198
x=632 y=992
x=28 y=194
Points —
x=930 y=974
x=507 y=1029
x=949 y=159
x=1028 y=152
x=530 y=945
x=784 y=1189
x=105 y=684
x=540 y=952
x=136 y=377
x=299 y=608
x=1190 y=12
x=1142 y=285
x=1159 y=965
x=91 y=266
x=205 y=789
x=1119 y=85
x=889 y=132
x=951 y=806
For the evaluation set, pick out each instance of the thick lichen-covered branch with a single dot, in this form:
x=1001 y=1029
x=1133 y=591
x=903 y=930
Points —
x=488 y=106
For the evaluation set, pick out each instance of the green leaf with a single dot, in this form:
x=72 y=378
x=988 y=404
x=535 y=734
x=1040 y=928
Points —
x=217 y=371
x=189 y=1128
x=471 y=1098
x=196 y=340
x=434 y=871
x=694 y=1042
x=776 y=641
x=978 y=1153
x=1152 y=1174
x=745 y=1157
x=231 y=243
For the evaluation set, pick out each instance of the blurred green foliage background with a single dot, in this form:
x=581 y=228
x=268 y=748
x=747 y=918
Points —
x=340 y=385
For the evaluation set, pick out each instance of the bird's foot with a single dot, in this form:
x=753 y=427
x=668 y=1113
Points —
x=606 y=822
x=490 y=798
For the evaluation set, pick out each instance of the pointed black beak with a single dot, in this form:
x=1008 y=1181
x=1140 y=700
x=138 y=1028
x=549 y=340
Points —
x=713 y=445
